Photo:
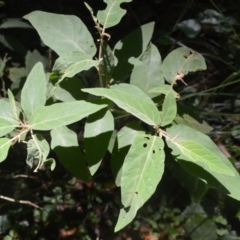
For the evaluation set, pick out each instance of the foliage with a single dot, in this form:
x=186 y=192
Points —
x=134 y=84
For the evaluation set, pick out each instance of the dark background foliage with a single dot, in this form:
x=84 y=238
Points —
x=72 y=209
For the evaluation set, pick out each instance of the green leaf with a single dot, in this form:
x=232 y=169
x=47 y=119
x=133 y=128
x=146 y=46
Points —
x=69 y=90
x=33 y=58
x=5 y=144
x=199 y=227
x=38 y=148
x=60 y=114
x=124 y=140
x=169 y=108
x=112 y=15
x=126 y=51
x=14 y=23
x=142 y=171
x=193 y=123
x=13 y=104
x=7 y=112
x=107 y=63
x=62 y=33
x=98 y=129
x=191 y=145
x=132 y=100
x=180 y=62
x=146 y=73
x=164 y=89
x=190 y=27
x=65 y=144
x=5 y=127
x=34 y=90
x=71 y=63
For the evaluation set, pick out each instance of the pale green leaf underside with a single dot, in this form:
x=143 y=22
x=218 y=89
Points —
x=182 y=61
x=142 y=170
x=112 y=15
x=34 y=90
x=163 y=89
x=60 y=114
x=146 y=73
x=198 y=148
x=62 y=33
x=71 y=63
x=131 y=99
x=5 y=127
x=5 y=144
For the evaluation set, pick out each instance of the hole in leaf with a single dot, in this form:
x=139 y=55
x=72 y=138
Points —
x=153 y=151
x=144 y=145
x=136 y=192
x=147 y=138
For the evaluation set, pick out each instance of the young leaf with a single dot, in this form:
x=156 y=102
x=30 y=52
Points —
x=142 y=170
x=5 y=127
x=146 y=73
x=132 y=100
x=98 y=129
x=112 y=15
x=71 y=63
x=169 y=108
x=60 y=114
x=7 y=112
x=38 y=148
x=62 y=33
x=191 y=145
x=124 y=140
x=180 y=62
x=5 y=144
x=127 y=49
x=34 y=90
x=65 y=144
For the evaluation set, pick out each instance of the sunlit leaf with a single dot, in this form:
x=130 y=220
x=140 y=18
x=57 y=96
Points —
x=126 y=51
x=146 y=73
x=98 y=129
x=132 y=100
x=180 y=62
x=71 y=63
x=124 y=140
x=60 y=114
x=112 y=15
x=5 y=144
x=34 y=90
x=5 y=127
x=191 y=145
x=142 y=170
x=65 y=144
x=62 y=33
x=169 y=108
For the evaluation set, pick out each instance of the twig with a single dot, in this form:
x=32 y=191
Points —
x=20 y=201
